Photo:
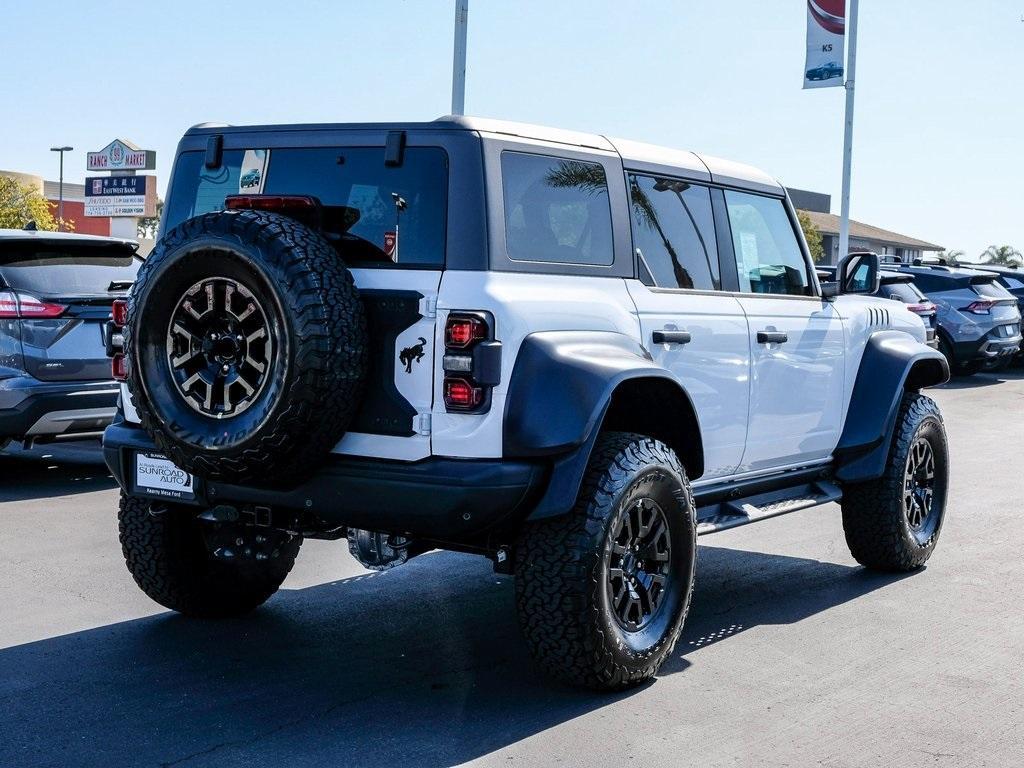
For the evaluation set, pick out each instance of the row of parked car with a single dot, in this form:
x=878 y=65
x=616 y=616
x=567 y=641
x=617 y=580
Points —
x=972 y=312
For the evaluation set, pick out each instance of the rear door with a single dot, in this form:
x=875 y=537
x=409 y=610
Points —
x=61 y=292
x=796 y=340
x=690 y=326
x=386 y=211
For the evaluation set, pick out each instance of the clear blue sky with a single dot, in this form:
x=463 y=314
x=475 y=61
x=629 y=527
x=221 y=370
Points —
x=940 y=97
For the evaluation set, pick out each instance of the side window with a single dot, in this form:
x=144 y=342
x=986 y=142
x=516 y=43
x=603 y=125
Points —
x=556 y=210
x=674 y=233
x=768 y=255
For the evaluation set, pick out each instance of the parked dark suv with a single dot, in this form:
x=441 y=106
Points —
x=979 y=323
x=56 y=291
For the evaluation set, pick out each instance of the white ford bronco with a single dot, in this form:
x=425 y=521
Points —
x=568 y=353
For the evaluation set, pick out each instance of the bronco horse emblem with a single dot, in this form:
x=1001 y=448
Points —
x=412 y=354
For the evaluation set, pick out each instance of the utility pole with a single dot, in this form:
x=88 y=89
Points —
x=459 y=58
x=60 y=186
x=851 y=76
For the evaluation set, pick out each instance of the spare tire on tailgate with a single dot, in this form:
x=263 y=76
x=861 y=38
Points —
x=246 y=345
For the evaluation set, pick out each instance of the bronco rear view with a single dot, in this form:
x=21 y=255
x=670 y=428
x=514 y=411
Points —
x=568 y=353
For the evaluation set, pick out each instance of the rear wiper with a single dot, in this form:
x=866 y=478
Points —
x=120 y=285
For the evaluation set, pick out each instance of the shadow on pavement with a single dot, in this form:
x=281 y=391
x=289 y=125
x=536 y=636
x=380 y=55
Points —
x=419 y=666
x=48 y=471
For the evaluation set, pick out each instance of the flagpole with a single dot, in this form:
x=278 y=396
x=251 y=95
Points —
x=851 y=75
x=459 y=58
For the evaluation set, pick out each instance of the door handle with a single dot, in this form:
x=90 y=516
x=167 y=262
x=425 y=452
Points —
x=772 y=337
x=671 y=337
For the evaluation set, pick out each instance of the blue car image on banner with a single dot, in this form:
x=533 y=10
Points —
x=826 y=36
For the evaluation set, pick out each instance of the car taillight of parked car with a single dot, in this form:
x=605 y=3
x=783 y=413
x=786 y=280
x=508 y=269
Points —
x=17 y=304
x=472 y=362
x=114 y=336
x=983 y=307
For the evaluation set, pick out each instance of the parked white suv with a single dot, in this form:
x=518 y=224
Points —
x=568 y=353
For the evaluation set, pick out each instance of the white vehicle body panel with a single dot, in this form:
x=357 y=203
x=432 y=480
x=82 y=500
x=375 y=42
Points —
x=521 y=304
x=714 y=367
x=796 y=387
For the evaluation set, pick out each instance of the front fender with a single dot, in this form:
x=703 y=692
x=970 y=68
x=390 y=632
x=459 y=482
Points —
x=893 y=363
x=561 y=386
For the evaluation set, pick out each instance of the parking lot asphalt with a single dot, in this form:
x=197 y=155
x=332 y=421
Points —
x=792 y=655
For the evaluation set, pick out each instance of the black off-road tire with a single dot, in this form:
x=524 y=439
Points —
x=319 y=362
x=875 y=516
x=167 y=556
x=561 y=567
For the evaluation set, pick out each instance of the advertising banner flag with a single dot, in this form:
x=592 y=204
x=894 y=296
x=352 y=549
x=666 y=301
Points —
x=826 y=34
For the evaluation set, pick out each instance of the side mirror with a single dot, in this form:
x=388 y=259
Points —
x=859 y=273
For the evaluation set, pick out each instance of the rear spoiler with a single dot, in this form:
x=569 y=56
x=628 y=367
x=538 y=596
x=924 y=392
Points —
x=890 y=278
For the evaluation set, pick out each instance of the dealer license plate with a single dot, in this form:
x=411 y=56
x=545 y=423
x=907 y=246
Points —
x=155 y=475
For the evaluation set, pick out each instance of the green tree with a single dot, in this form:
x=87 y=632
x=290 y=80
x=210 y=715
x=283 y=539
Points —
x=21 y=203
x=1003 y=255
x=148 y=225
x=811 y=235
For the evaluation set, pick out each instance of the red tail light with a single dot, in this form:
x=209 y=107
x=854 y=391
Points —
x=25 y=305
x=463 y=330
x=460 y=394
x=119 y=367
x=119 y=313
x=983 y=307
x=472 y=361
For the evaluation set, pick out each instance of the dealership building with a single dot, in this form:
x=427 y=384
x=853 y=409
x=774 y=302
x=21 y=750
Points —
x=863 y=237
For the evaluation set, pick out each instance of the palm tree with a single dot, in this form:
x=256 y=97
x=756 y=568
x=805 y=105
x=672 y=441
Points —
x=1003 y=256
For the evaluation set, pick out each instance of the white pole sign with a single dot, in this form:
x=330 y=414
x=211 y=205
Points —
x=826 y=28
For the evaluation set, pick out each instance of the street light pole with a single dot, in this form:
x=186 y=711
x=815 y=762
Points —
x=60 y=186
x=459 y=58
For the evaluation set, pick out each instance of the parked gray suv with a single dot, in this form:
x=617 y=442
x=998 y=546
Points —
x=979 y=323
x=56 y=290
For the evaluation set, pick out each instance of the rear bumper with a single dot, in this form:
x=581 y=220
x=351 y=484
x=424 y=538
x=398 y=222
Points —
x=987 y=349
x=55 y=410
x=459 y=500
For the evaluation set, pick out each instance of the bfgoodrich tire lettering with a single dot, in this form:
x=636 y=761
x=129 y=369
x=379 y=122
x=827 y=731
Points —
x=300 y=387
x=565 y=587
x=886 y=526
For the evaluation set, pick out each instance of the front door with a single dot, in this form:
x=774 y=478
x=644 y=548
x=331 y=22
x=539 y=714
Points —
x=796 y=340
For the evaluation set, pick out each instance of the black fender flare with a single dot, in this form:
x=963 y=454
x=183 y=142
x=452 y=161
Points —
x=559 y=392
x=893 y=363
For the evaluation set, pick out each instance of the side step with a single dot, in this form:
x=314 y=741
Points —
x=720 y=516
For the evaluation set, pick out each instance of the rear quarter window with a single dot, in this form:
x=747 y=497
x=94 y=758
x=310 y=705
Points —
x=556 y=210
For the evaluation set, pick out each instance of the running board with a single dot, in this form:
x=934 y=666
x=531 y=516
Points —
x=721 y=516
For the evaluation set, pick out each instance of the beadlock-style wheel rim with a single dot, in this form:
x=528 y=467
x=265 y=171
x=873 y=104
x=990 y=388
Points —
x=919 y=486
x=219 y=347
x=639 y=562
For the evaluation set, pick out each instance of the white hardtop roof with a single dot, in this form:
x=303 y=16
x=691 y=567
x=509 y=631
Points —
x=635 y=155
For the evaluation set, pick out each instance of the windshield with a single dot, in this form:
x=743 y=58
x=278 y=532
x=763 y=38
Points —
x=372 y=211
x=66 y=271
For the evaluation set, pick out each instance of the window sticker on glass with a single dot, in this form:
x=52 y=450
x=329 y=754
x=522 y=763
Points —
x=253 y=171
x=748 y=245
